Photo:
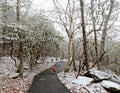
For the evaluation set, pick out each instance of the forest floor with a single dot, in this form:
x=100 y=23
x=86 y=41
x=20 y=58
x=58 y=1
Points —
x=18 y=85
x=83 y=87
x=83 y=84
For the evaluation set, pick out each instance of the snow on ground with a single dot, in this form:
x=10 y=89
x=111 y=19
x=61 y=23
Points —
x=82 y=80
x=97 y=88
x=8 y=69
x=7 y=66
x=80 y=85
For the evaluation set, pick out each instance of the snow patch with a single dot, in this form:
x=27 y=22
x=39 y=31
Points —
x=110 y=85
x=98 y=75
x=82 y=80
x=80 y=85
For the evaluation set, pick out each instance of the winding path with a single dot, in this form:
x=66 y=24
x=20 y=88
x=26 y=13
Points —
x=46 y=82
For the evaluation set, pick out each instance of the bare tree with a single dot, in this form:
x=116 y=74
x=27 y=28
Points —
x=67 y=18
x=105 y=27
x=101 y=13
x=95 y=31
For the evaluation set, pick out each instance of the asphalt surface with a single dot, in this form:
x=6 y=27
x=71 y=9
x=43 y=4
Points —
x=46 y=82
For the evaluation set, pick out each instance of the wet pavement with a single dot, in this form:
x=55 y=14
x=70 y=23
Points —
x=46 y=82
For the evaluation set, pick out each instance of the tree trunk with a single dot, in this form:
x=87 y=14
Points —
x=4 y=21
x=79 y=70
x=104 y=32
x=63 y=54
x=95 y=34
x=69 y=49
x=11 y=53
x=84 y=35
x=69 y=55
x=73 y=57
x=31 y=63
x=21 y=68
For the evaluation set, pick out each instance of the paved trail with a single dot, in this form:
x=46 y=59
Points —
x=46 y=82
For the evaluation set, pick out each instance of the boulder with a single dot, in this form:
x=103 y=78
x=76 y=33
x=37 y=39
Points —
x=113 y=76
x=83 y=81
x=97 y=88
x=111 y=86
x=13 y=75
x=97 y=75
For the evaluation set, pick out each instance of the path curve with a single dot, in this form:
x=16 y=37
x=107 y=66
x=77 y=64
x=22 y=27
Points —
x=46 y=82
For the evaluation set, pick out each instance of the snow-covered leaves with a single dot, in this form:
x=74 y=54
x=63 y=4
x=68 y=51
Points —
x=8 y=70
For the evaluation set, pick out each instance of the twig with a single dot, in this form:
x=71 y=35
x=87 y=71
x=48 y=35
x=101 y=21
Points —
x=97 y=59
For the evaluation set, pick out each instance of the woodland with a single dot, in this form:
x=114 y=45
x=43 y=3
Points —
x=85 y=32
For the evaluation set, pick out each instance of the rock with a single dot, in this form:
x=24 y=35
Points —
x=97 y=88
x=25 y=74
x=21 y=91
x=26 y=68
x=114 y=77
x=97 y=75
x=14 y=75
x=82 y=80
x=83 y=90
x=111 y=86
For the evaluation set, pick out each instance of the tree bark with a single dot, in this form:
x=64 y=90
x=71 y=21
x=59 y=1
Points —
x=104 y=32
x=80 y=68
x=95 y=34
x=73 y=57
x=20 y=68
x=11 y=53
x=69 y=55
x=4 y=21
x=69 y=49
x=84 y=35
